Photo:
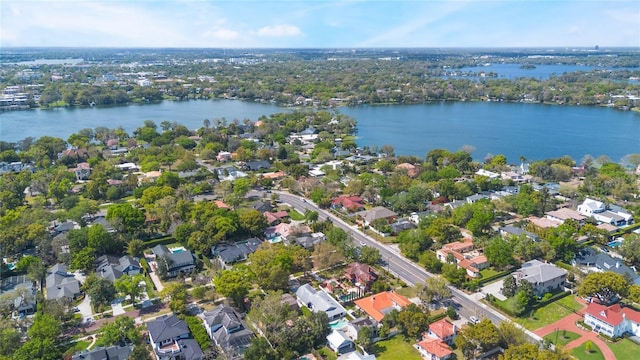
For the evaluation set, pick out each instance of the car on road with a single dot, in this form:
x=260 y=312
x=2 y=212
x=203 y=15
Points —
x=604 y=248
x=75 y=310
x=362 y=243
x=474 y=320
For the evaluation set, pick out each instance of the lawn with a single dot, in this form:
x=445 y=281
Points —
x=488 y=272
x=563 y=337
x=327 y=353
x=395 y=349
x=296 y=216
x=581 y=353
x=625 y=349
x=550 y=313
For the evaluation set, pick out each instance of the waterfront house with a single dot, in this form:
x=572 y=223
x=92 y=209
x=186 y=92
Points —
x=611 y=214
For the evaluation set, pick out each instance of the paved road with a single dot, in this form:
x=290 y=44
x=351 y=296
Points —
x=397 y=264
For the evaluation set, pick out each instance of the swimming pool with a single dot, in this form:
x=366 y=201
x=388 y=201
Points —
x=338 y=324
x=177 y=250
x=615 y=243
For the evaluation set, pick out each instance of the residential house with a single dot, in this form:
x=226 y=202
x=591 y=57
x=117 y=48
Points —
x=378 y=212
x=223 y=156
x=455 y=204
x=590 y=260
x=60 y=283
x=402 y=225
x=227 y=329
x=289 y=300
x=544 y=277
x=416 y=217
x=170 y=338
x=433 y=349
x=340 y=343
x=613 y=321
x=112 y=268
x=114 y=352
x=464 y=255
x=412 y=170
x=352 y=329
x=176 y=261
x=361 y=275
x=380 y=304
x=82 y=171
x=275 y=217
x=308 y=241
x=476 y=197
x=262 y=206
x=491 y=175
x=257 y=165
x=512 y=231
x=515 y=177
x=443 y=330
x=355 y=355
x=347 y=203
x=22 y=291
x=612 y=214
x=543 y=223
x=318 y=300
x=231 y=253
x=563 y=214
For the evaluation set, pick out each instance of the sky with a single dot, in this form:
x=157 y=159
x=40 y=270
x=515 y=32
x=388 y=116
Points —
x=319 y=23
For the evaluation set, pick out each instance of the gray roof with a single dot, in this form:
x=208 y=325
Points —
x=516 y=231
x=378 y=212
x=227 y=329
x=536 y=271
x=318 y=301
x=100 y=353
x=59 y=283
x=604 y=262
x=112 y=268
x=257 y=165
x=167 y=327
x=190 y=349
x=233 y=252
x=178 y=259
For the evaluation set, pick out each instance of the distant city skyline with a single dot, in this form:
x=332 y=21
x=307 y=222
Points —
x=319 y=24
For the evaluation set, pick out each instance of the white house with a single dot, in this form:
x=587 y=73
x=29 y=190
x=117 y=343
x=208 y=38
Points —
x=613 y=215
x=340 y=343
x=613 y=321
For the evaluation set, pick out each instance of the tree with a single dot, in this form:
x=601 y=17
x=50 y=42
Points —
x=121 y=331
x=454 y=274
x=499 y=252
x=588 y=346
x=135 y=248
x=509 y=286
x=326 y=255
x=413 y=320
x=365 y=337
x=437 y=288
x=430 y=261
x=163 y=264
x=101 y=291
x=630 y=249
x=478 y=338
x=260 y=350
x=234 y=283
x=9 y=341
x=131 y=218
x=604 y=285
x=252 y=221
x=129 y=285
x=176 y=293
x=369 y=255
x=42 y=337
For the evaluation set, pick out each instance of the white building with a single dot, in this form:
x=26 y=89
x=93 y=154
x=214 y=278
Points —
x=613 y=321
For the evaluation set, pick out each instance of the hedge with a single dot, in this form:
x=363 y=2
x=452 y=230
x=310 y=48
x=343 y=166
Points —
x=198 y=332
x=435 y=318
x=160 y=241
x=555 y=297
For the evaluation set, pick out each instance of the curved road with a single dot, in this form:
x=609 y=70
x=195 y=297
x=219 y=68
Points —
x=397 y=264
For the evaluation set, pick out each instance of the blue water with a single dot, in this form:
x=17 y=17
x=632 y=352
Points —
x=541 y=72
x=339 y=324
x=514 y=129
x=615 y=243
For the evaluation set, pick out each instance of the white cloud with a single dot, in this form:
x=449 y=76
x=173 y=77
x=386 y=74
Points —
x=283 y=30
x=222 y=34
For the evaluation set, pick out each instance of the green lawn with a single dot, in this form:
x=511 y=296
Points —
x=625 y=349
x=550 y=313
x=488 y=272
x=395 y=349
x=563 y=337
x=327 y=353
x=581 y=354
x=294 y=215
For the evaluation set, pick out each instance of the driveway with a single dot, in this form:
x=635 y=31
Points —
x=154 y=277
x=85 y=307
x=494 y=289
x=116 y=306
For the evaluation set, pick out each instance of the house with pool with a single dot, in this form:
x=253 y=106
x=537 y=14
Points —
x=178 y=260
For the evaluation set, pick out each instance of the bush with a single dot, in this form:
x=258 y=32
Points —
x=198 y=332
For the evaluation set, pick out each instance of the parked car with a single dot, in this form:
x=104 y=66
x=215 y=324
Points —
x=75 y=310
x=474 y=320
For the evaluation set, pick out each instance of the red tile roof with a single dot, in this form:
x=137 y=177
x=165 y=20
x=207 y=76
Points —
x=612 y=315
x=442 y=328
x=435 y=347
x=349 y=202
x=379 y=304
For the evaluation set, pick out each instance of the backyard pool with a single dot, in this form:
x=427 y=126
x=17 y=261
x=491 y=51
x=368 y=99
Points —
x=338 y=324
x=615 y=243
x=177 y=250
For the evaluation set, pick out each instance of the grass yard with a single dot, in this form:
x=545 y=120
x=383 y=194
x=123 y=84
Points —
x=563 y=337
x=395 y=349
x=581 y=353
x=625 y=349
x=488 y=272
x=327 y=353
x=296 y=216
x=550 y=313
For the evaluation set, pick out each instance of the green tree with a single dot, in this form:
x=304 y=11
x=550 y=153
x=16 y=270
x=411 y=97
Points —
x=234 y=283
x=176 y=293
x=260 y=350
x=499 y=252
x=604 y=285
x=437 y=288
x=630 y=249
x=135 y=248
x=101 y=291
x=118 y=332
x=252 y=221
x=365 y=337
x=511 y=335
x=509 y=286
x=129 y=285
x=131 y=218
x=413 y=320
x=369 y=255
x=478 y=338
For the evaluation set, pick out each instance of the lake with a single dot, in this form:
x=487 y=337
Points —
x=514 y=129
x=514 y=71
